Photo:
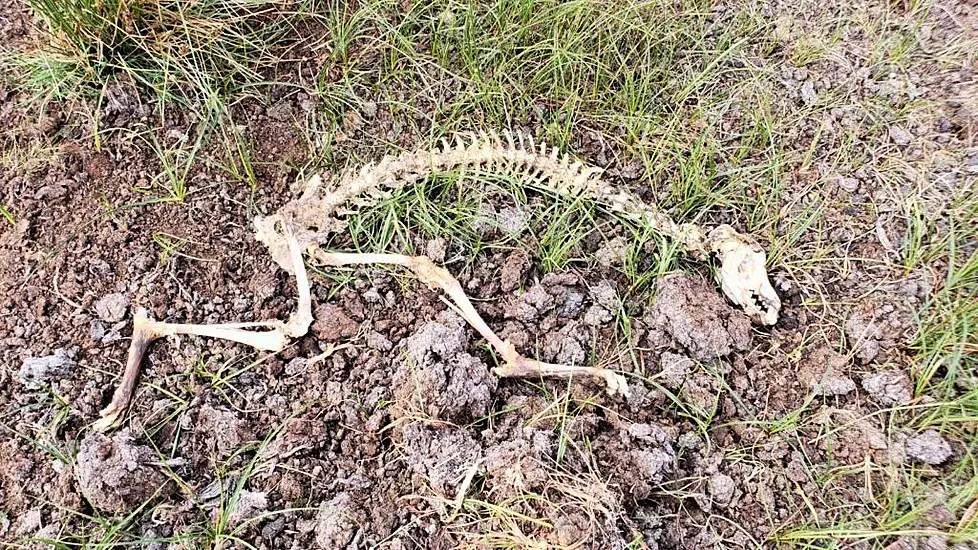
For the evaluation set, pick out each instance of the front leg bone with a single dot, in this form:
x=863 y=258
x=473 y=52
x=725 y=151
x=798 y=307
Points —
x=145 y=330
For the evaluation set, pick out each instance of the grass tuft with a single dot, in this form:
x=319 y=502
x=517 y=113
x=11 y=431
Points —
x=194 y=53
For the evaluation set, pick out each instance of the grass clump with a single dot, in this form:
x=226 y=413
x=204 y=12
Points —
x=195 y=53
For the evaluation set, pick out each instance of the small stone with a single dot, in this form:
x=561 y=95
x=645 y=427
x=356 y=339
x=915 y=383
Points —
x=112 y=308
x=369 y=109
x=37 y=370
x=722 y=488
x=900 y=136
x=929 y=448
x=889 y=387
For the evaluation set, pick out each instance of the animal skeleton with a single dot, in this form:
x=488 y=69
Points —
x=302 y=225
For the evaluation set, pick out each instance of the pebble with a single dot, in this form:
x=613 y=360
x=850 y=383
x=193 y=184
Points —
x=722 y=489
x=35 y=370
x=900 y=136
x=112 y=308
x=929 y=447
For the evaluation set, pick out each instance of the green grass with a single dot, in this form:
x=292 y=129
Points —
x=6 y=214
x=945 y=359
x=479 y=212
x=195 y=53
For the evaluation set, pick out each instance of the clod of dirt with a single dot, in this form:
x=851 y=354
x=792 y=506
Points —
x=247 y=505
x=612 y=253
x=513 y=270
x=900 y=136
x=539 y=300
x=515 y=467
x=263 y=284
x=596 y=316
x=114 y=474
x=333 y=324
x=698 y=319
x=834 y=385
x=889 y=387
x=650 y=467
x=224 y=430
x=281 y=111
x=556 y=291
x=567 y=346
x=822 y=372
x=605 y=302
x=112 y=308
x=929 y=448
x=511 y=220
x=437 y=375
x=50 y=193
x=673 y=369
x=39 y=370
x=876 y=327
x=606 y=295
x=722 y=488
x=933 y=542
x=641 y=456
x=440 y=454
x=436 y=249
x=680 y=374
x=337 y=522
x=369 y=109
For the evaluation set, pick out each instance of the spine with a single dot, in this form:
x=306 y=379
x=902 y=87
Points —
x=510 y=154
